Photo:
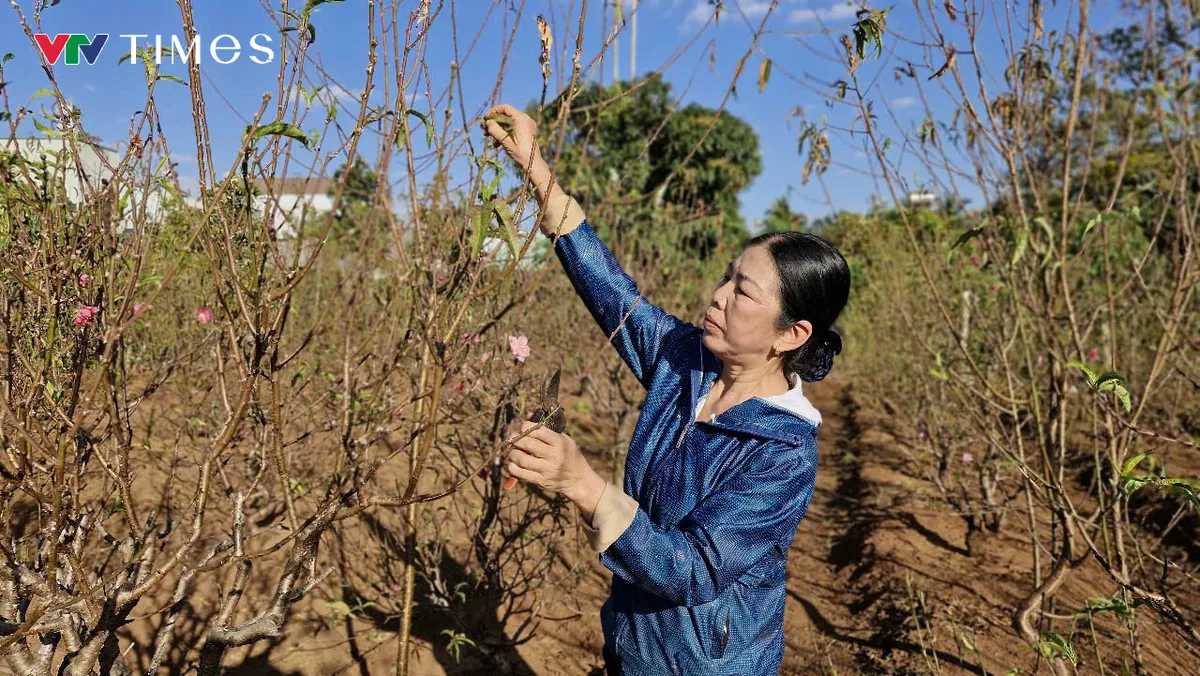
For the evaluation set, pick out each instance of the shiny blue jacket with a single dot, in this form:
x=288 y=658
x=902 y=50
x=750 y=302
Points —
x=699 y=578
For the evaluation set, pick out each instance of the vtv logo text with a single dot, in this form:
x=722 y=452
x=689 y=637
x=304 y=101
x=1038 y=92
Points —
x=73 y=44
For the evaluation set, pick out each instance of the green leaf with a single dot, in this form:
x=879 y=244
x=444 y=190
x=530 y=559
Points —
x=7 y=57
x=45 y=130
x=311 y=5
x=1121 y=393
x=968 y=235
x=1053 y=644
x=172 y=78
x=1132 y=463
x=1019 y=247
x=40 y=93
x=482 y=220
x=1110 y=375
x=281 y=128
x=1045 y=225
x=402 y=130
x=1091 y=376
x=507 y=229
x=1095 y=606
x=1095 y=220
x=127 y=56
x=338 y=609
x=1181 y=487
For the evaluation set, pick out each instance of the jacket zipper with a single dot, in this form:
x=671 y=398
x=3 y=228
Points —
x=682 y=435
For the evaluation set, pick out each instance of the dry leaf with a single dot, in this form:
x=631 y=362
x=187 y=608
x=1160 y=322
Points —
x=946 y=66
x=547 y=41
x=764 y=74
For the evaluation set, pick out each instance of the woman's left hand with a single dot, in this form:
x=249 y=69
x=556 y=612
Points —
x=553 y=462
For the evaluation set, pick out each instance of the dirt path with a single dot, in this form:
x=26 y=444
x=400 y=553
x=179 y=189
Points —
x=880 y=582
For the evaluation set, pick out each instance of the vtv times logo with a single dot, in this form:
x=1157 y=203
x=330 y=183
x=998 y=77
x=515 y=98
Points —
x=224 y=49
x=74 y=44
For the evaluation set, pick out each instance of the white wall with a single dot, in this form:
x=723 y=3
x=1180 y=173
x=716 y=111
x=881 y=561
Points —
x=78 y=185
x=289 y=207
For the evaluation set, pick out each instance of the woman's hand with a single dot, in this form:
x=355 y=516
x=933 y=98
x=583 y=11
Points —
x=561 y=213
x=519 y=140
x=553 y=462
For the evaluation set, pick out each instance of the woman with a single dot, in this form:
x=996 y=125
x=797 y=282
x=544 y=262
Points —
x=723 y=460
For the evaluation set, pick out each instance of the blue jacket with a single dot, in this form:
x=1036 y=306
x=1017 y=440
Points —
x=699 y=577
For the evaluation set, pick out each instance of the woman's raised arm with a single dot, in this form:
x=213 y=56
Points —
x=639 y=329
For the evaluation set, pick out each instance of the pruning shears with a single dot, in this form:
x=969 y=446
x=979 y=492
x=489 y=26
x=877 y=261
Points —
x=548 y=411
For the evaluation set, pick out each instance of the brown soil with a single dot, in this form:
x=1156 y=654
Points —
x=880 y=583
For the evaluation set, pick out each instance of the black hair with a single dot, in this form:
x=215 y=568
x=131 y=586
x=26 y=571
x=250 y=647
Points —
x=814 y=285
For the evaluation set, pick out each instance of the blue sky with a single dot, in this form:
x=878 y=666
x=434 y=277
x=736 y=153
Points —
x=109 y=94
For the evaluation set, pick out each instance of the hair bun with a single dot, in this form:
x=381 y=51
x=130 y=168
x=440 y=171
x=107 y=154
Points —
x=833 y=340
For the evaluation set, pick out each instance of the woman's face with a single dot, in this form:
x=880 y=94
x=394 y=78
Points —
x=739 y=326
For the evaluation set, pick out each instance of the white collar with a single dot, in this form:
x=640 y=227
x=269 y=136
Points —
x=793 y=401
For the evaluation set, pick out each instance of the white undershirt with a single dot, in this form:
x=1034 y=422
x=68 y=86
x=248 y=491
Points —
x=793 y=401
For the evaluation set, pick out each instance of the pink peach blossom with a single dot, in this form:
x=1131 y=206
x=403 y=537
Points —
x=519 y=346
x=84 y=280
x=137 y=309
x=1093 y=354
x=967 y=457
x=484 y=357
x=460 y=388
x=203 y=315
x=85 y=314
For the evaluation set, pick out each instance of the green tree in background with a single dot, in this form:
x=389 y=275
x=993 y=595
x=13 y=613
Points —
x=635 y=146
x=359 y=194
x=781 y=218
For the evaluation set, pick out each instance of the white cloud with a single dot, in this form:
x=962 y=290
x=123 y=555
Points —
x=755 y=8
x=700 y=13
x=702 y=10
x=90 y=87
x=904 y=102
x=835 y=12
x=342 y=94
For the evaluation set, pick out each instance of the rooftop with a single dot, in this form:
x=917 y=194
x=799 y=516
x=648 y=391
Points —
x=297 y=186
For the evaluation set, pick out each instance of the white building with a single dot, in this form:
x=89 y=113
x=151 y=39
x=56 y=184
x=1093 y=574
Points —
x=86 y=179
x=294 y=201
x=918 y=199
